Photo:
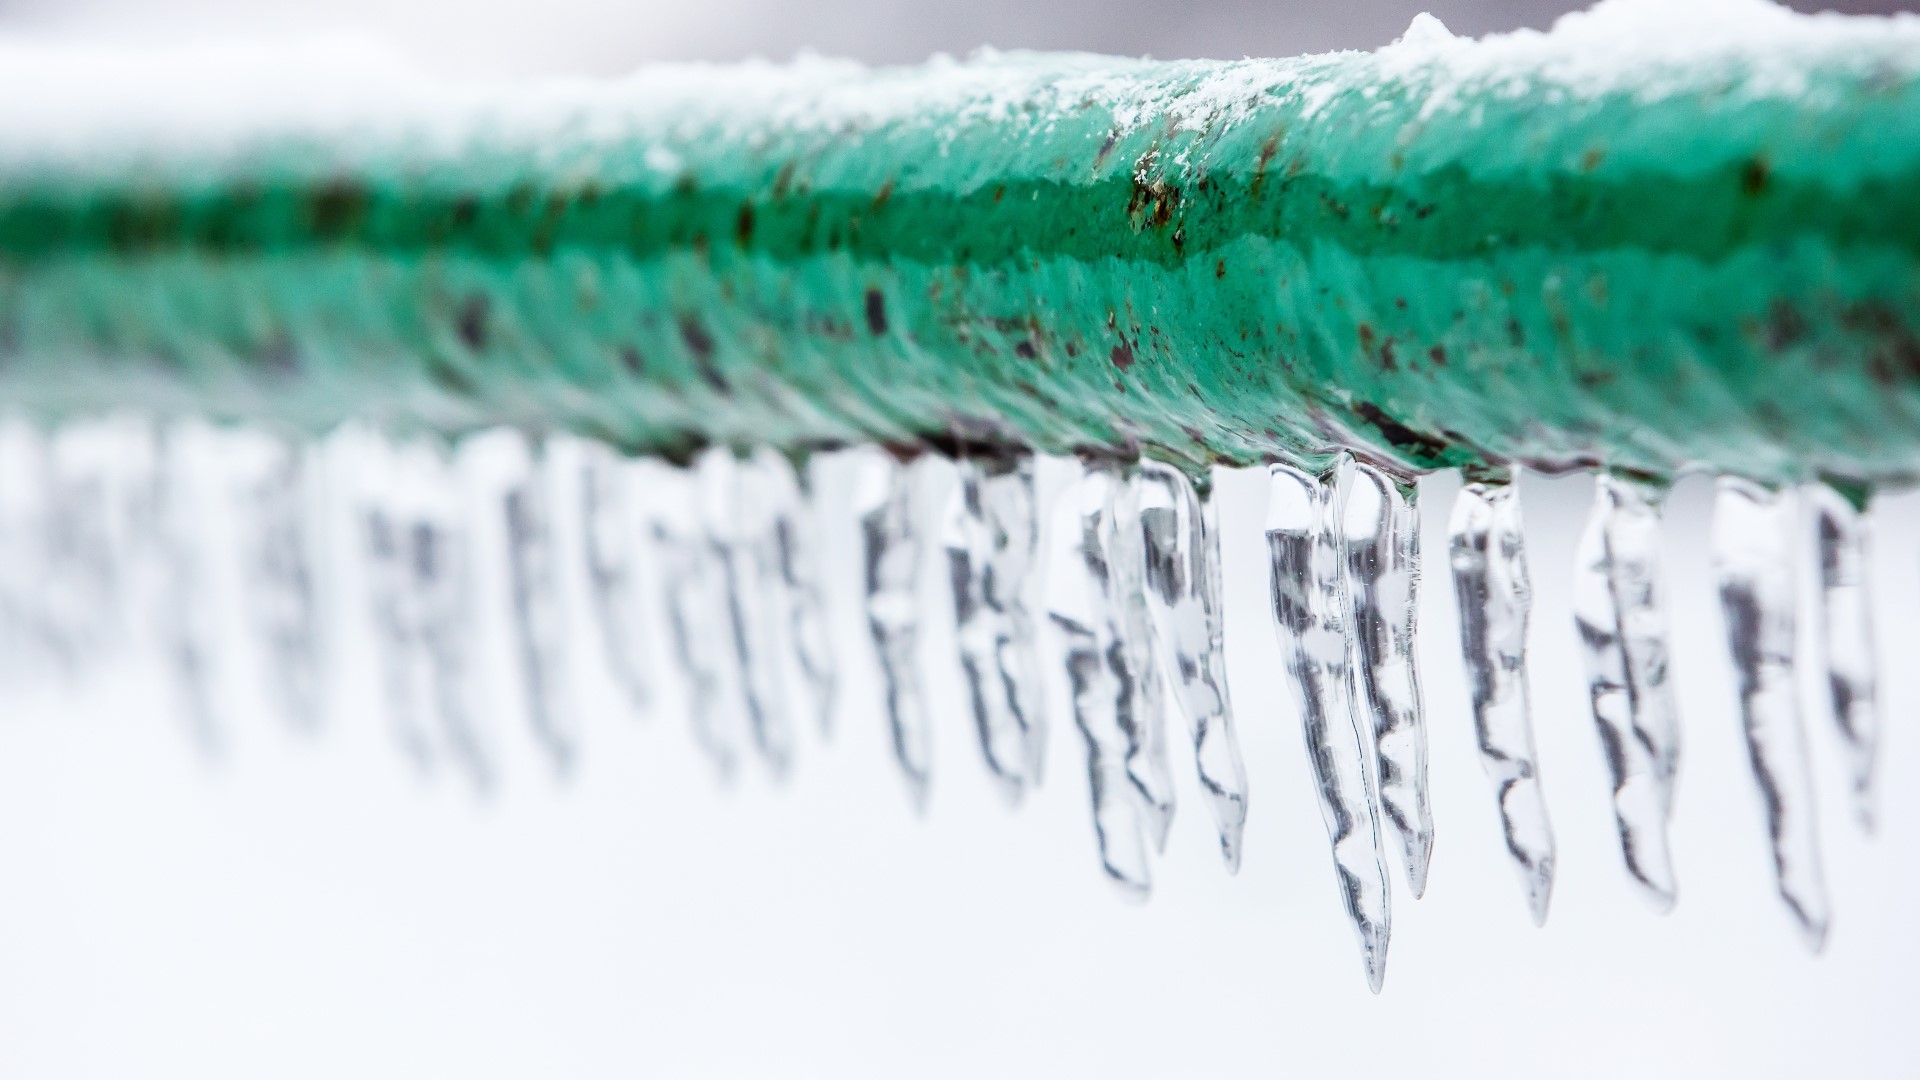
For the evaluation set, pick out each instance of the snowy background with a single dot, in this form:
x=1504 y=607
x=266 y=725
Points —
x=314 y=907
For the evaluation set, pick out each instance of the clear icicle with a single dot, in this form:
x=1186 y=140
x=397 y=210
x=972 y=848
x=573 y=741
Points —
x=796 y=527
x=539 y=623
x=991 y=532
x=1623 y=634
x=1845 y=623
x=700 y=630
x=1381 y=528
x=1490 y=582
x=1310 y=611
x=891 y=547
x=610 y=539
x=1086 y=602
x=1149 y=764
x=1754 y=557
x=423 y=611
x=746 y=552
x=282 y=592
x=75 y=581
x=1180 y=531
x=187 y=633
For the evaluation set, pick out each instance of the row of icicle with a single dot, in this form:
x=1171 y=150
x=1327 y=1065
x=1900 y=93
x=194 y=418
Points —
x=1134 y=596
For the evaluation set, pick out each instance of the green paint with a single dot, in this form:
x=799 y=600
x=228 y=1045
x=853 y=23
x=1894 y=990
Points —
x=1718 y=276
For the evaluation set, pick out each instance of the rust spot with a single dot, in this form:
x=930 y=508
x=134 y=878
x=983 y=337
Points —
x=1401 y=436
x=1786 y=326
x=1755 y=176
x=1438 y=354
x=465 y=209
x=1591 y=160
x=999 y=192
x=1024 y=350
x=886 y=192
x=1106 y=147
x=631 y=359
x=1366 y=337
x=699 y=342
x=1220 y=268
x=1122 y=355
x=337 y=208
x=876 y=313
x=471 y=322
x=743 y=225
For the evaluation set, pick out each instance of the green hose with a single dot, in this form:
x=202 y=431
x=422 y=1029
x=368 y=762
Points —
x=1528 y=249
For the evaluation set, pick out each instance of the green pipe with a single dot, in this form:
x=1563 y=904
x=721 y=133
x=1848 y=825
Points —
x=1528 y=249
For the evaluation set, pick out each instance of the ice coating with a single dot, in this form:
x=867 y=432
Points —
x=539 y=622
x=418 y=550
x=610 y=543
x=1381 y=532
x=891 y=544
x=1754 y=555
x=796 y=528
x=1623 y=634
x=737 y=503
x=991 y=531
x=1489 y=556
x=1843 y=616
x=1086 y=603
x=282 y=600
x=1180 y=531
x=698 y=624
x=1310 y=611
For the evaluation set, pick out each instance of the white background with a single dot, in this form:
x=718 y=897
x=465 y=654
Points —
x=314 y=907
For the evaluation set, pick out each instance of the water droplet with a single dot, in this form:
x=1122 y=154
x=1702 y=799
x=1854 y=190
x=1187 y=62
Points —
x=1381 y=531
x=990 y=536
x=1181 y=534
x=1623 y=634
x=1754 y=556
x=1495 y=597
x=1310 y=611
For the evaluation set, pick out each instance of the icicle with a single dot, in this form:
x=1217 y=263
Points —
x=795 y=523
x=700 y=631
x=539 y=623
x=1495 y=598
x=610 y=539
x=75 y=587
x=1310 y=609
x=187 y=633
x=1754 y=557
x=1085 y=598
x=423 y=611
x=1381 y=527
x=1624 y=634
x=890 y=544
x=746 y=552
x=282 y=591
x=990 y=535
x=1844 y=619
x=1182 y=539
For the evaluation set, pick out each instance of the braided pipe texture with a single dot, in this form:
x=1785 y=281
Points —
x=1657 y=237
